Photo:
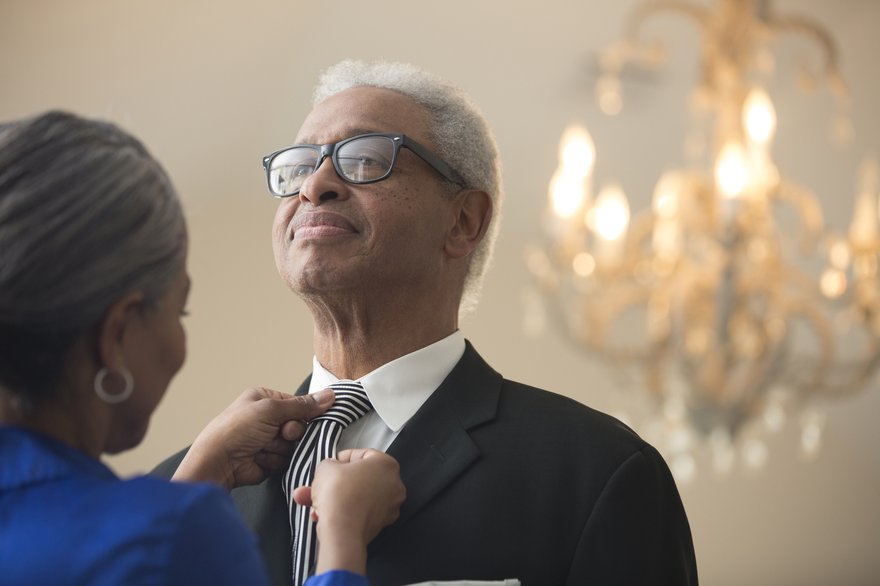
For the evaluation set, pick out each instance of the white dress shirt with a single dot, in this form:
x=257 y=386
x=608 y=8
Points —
x=396 y=389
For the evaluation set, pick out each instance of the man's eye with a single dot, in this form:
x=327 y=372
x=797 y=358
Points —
x=367 y=161
x=301 y=170
x=366 y=158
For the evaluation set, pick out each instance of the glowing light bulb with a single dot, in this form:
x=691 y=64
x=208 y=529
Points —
x=577 y=153
x=759 y=116
x=568 y=193
x=732 y=170
x=667 y=194
x=610 y=217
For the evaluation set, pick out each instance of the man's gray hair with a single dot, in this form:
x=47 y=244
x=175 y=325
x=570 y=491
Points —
x=86 y=216
x=457 y=128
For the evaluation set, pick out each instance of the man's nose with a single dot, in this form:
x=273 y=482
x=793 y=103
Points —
x=324 y=184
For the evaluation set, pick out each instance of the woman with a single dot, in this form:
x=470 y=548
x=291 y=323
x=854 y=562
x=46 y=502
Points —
x=93 y=286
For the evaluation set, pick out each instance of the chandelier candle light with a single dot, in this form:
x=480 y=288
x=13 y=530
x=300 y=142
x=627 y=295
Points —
x=736 y=304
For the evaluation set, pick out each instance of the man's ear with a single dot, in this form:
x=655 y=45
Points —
x=115 y=326
x=473 y=212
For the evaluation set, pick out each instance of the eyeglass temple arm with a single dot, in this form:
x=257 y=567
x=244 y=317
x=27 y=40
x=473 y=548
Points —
x=439 y=164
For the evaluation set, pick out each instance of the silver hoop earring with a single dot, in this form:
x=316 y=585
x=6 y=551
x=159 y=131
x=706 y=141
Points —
x=111 y=398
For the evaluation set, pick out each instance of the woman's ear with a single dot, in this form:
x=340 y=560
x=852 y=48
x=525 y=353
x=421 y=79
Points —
x=473 y=212
x=115 y=326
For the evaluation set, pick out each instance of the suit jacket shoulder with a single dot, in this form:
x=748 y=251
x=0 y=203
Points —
x=505 y=480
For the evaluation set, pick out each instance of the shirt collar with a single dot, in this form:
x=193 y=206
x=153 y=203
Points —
x=399 y=388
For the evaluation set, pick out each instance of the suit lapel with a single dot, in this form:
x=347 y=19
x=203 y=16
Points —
x=435 y=446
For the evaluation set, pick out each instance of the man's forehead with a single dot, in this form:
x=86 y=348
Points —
x=361 y=110
x=327 y=135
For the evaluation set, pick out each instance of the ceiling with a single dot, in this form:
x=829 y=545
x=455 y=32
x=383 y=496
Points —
x=212 y=86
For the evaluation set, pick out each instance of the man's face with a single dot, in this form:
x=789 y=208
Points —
x=382 y=239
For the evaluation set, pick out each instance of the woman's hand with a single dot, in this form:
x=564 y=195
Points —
x=251 y=438
x=352 y=497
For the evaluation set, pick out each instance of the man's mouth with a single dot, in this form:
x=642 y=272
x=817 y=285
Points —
x=311 y=225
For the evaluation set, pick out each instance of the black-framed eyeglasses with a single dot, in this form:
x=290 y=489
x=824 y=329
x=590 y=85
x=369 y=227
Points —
x=365 y=158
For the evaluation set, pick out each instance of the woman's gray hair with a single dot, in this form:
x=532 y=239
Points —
x=457 y=128
x=86 y=215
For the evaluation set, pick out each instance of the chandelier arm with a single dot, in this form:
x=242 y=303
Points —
x=808 y=208
x=614 y=305
x=807 y=28
x=792 y=308
x=585 y=336
x=861 y=370
x=759 y=378
x=559 y=314
x=631 y=48
x=831 y=366
x=824 y=335
x=641 y=229
x=862 y=377
x=798 y=279
x=647 y=10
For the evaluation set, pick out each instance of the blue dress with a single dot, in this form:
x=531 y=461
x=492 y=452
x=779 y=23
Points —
x=65 y=518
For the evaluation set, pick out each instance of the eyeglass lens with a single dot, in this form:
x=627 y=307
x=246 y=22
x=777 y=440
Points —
x=360 y=160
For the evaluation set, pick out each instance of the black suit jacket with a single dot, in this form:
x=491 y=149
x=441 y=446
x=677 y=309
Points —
x=509 y=481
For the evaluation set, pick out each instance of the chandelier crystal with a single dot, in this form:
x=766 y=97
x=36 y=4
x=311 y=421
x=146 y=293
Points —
x=737 y=306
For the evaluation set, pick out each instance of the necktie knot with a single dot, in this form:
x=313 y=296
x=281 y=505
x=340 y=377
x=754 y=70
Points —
x=350 y=405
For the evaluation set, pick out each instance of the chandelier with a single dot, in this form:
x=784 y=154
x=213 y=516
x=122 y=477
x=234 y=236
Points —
x=737 y=307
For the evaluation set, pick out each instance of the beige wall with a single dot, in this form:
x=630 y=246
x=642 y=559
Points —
x=211 y=86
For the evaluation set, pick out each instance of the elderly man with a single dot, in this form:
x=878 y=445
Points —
x=390 y=199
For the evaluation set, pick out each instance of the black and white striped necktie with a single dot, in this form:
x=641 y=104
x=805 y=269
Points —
x=318 y=442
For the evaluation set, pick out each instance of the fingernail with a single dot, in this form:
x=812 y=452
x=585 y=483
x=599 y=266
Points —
x=324 y=397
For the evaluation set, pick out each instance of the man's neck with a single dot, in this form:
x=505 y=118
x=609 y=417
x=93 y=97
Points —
x=356 y=333
x=353 y=359
x=351 y=348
